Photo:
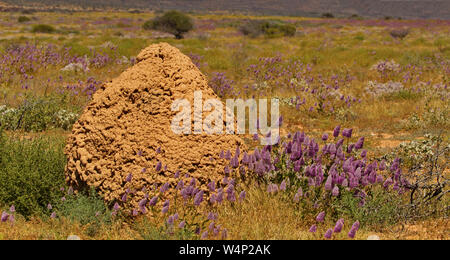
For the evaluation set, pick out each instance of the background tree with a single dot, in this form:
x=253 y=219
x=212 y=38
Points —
x=173 y=22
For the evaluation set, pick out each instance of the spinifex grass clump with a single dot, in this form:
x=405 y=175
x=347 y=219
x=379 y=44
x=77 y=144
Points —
x=268 y=28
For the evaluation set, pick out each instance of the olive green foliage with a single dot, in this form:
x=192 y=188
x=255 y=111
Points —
x=399 y=33
x=149 y=231
x=267 y=28
x=31 y=173
x=87 y=209
x=23 y=19
x=173 y=22
x=43 y=28
x=38 y=114
x=381 y=208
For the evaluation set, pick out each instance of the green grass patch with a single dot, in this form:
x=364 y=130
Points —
x=31 y=172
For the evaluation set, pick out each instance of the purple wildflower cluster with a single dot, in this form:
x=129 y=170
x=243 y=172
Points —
x=86 y=88
x=338 y=227
x=319 y=171
x=9 y=216
x=316 y=92
x=20 y=62
x=183 y=202
x=222 y=86
x=20 y=65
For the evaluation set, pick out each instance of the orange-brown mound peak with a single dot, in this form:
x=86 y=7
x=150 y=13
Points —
x=126 y=129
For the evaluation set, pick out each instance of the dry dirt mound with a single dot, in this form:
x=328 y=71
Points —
x=125 y=129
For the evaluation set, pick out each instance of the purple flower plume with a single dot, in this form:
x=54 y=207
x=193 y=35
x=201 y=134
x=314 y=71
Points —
x=152 y=201
x=198 y=198
x=242 y=195
x=347 y=132
x=320 y=217
x=335 y=191
x=170 y=220
x=158 y=166
x=336 y=131
x=328 y=234
x=182 y=223
x=360 y=143
x=5 y=216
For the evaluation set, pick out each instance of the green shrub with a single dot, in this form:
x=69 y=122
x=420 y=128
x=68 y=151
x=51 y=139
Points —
x=43 y=28
x=399 y=33
x=381 y=208
x=38 y=114
x=252 y=28
x=288 y=29
x=269 y=29
x=31 y=172
x=426 y=161
x=173 y=22
x=23 y=19
x=148 y=231
x=88 y=209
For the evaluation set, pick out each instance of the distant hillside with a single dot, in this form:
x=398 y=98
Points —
x=437 y=9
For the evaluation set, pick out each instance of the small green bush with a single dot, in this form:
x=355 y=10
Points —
x=381 y=208
x=31 y=172
x=148 y=231
x=23 y=19
x=38 y=114
x=355 y=17
x=399 y=33
x=252 y=28
x=288 y=29
x=271 y=29
x=173 y=22
x=43 y=28
x=327 y=15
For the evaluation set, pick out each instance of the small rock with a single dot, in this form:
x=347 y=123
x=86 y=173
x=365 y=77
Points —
x=73 y=237
x=373 y=237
